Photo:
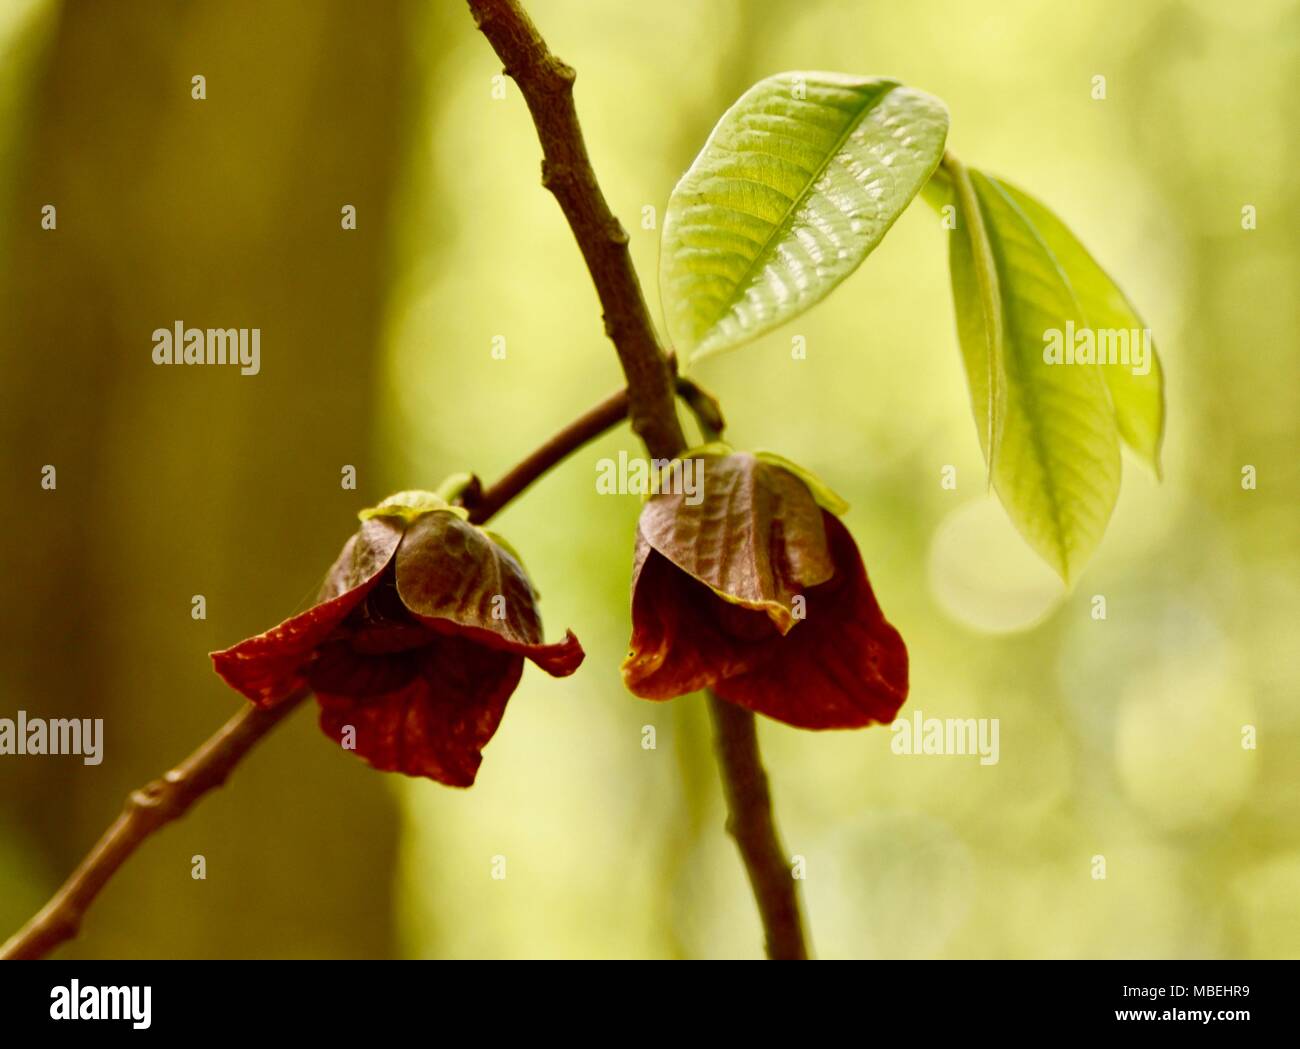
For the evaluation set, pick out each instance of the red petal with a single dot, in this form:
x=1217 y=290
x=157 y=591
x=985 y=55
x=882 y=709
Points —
x=437 y=724
x=684 y=636
x=269 y=667
x=340 y=669
x=560 y=659
x=843 y=666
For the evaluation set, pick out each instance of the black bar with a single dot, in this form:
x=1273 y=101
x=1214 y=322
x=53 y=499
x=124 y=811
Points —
x=870 y=1001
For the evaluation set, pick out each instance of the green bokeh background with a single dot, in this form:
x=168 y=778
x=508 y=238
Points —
x=1120 y=738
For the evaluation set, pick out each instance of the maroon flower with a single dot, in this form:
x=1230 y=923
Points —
x=416 y=642
x=759 y=594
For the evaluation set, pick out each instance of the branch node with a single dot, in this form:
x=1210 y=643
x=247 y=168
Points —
x=148 y=797
x=561 y=72
x=556 y=173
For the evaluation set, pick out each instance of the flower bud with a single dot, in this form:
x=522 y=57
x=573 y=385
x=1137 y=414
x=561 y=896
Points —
x=417 y=640
x=759 y=593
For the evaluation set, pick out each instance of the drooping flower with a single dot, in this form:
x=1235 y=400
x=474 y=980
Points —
x=758 y=592
x=417 y=640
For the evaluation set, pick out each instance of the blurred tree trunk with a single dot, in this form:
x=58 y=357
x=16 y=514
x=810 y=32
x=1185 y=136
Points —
x=180 y=481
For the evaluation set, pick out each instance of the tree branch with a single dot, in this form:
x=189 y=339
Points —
x=547 y=87
x=166 y=799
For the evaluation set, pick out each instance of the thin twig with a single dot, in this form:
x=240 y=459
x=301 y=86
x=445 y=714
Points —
x=483 y=503
x=547 y=87
x=147 y=809
x=166 y=799
x=750 y=822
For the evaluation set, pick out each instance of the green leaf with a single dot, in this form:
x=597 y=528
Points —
x=1139 y=399
x=1057 y=468
x=983 y=322
x=799 y=181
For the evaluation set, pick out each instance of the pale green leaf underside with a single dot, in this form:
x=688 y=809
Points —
x=993 y=393
x=1139 y=399
x=1057 y=470
x=798 y=182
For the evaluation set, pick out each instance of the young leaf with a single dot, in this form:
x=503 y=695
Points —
x=984 y=321
x=799 y=181
x=1139 y=399
x=1057 y=470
